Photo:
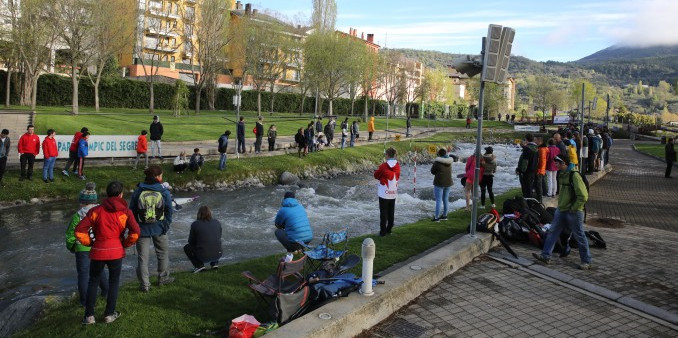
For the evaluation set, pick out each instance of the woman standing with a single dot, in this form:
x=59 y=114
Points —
x=551 y=169
x=468 y=185
x=272 y=134
x=442 y=181
x=301 y=141
x=487 y=182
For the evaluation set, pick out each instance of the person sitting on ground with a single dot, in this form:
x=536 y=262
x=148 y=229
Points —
x=195 y=164
x=320 y=141
x=204 y=241
x=88 y=200
x=180 y=163
x=292 y=224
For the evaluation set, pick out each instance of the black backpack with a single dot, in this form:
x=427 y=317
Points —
x=518 y=204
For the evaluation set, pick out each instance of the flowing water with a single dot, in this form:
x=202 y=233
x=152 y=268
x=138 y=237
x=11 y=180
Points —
x=34 y=259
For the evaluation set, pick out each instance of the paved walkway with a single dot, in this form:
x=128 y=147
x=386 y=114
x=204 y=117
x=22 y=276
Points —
x=488 y=298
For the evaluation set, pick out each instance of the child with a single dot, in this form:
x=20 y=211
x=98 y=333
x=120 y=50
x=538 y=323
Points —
x=88 y=200
x=83 y=151
x=49 y=149
x=388 y=175
x=180 y=163
x=196 y=161
x=142 y=149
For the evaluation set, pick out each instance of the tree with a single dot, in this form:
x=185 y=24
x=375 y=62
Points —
x=180 y=98
x=328 y=63
x=410 y=82
x=113 y=23
x=209 y=49
x=324 y=15
x=390 y=79
x=369 y=77
x=544 y=93
x=575 y=92
x=359 y=57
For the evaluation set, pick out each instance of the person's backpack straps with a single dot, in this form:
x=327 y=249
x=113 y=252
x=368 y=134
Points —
x=583 y=178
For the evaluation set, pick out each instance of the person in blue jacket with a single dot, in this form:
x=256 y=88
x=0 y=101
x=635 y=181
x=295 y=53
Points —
x=292 y=223
x=83 y=151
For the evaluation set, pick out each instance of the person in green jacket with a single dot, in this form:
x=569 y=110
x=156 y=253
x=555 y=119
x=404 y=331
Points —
x=88 y=200
x=569 y=214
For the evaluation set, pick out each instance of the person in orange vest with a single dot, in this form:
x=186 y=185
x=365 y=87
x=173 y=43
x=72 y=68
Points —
x=49 y=149
x=370 y=128
x=142 y=149
x=29 y=147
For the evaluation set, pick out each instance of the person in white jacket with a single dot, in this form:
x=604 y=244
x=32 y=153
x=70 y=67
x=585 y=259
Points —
x=388 y=175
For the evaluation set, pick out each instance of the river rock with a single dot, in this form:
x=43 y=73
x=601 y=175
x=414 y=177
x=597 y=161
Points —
x=35 y=200
x=288 y=178
x=20 y=314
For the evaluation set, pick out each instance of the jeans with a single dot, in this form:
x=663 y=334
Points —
x=551 y=183
x=156 y=144
x=26 y=160
x=538 y=186
x=48 y=168
x=271 y=144
x=257 y=144
x=96 y=269
x=161 y=245
x=573 y=221
x=241 y=145
x=486 y=184
x=526 y=183
x=82 y=266
x=222 y=161
x=386 y=215
x=352 y=142
x=136 y=162
x=442 y=194
x=343 y=141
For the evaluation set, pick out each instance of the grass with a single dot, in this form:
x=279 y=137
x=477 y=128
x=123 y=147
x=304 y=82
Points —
x=195 y=303
x=652 y=149
x=206 y=126
x=263 y=168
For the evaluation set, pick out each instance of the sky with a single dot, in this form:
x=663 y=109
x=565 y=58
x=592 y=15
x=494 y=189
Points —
x=545 y=30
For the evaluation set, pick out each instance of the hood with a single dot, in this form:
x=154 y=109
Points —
x=155 y=186
x=392 y=162
x=84 y=210
x=532 y=146
x=444 y=160
x=489 y=157
x=372 y=118
x=290 y=202
x=114 y=204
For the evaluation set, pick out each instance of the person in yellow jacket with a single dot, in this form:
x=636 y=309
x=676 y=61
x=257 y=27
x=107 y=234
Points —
x=370 y=128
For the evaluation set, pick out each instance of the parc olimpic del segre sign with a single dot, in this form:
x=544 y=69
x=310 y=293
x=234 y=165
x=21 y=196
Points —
x=99 y=145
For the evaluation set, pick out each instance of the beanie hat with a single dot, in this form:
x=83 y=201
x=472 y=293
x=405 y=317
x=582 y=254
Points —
x=89 y=194
x=289 y=194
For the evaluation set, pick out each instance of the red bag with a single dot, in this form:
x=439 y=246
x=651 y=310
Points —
x=243 y=327
x=254 y=130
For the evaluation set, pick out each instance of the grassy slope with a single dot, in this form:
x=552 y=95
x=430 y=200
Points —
x=652 y=149
x=209 y=300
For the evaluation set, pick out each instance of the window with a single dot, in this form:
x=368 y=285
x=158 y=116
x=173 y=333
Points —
x=172 y=59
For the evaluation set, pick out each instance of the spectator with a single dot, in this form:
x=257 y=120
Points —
x=301 y=141
x=355 y=132
x=513 y=118
x=142 y=149
x=442 y=181
x=328 y=132
x=50 y=152
x=156 y=135
x=527 y=165
x=83 y=152
x=551 y=169
x=542 y=157
x=607 y=144
x=29 y=147
x=468 y=122
x=4 y=152
x=195 y=164
x=272 y=134
x=388 y=175
x=669 y=156
x=109 y=222
x=240 y=135
x=370 y=128
x=292 y=224
x=507 y=117
x=151 y=205
x=259 y=133
x=330 y=135
x=408 y=125
x=594 y=148
x=569 y=215
x=310 y=138
x=222 y=148
x=344 y=132
x=469 y=177
x=487 y=181
x=88 y=200
x=73 y=152
x=320 y=141
x=204 y=241
x=319 y=125
x=180 y=163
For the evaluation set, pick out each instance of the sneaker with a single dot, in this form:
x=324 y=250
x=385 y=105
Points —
x=215 y=266
x=166 y=281
x=493 y=205
x=51 y=180
x=46 y=181
x=144 y=289
x=435 y=219
x=83 y=177
x=444 y=218
x=482 y=207
x=541 y=258
x=196 y=270
x=585 y=266
x=88 y=320
x=112 y=317
x=64 y=172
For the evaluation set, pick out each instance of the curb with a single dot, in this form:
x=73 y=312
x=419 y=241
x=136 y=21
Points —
x=352 y=315
x=633 y=146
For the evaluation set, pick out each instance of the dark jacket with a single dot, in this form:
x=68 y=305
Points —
x=5 y=147
x=442 y=171
x=240 y=130
x=670 y=152
x=292 y=217
x=562 y=147
x=223 y=143
x=260 y=129
x=527 y=164
x=318 y=126
x=205 y=238
x=300 y=139
x=160 y=227
x=156 y=131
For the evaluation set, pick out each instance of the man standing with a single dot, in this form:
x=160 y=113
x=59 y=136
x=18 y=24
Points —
x=222 y=148
x=259 y=132
x=29 y=147
x=240 y=135
x=370 y=128
x=527 y=165
x=156 y=135
x=319 y=125
x=388 y=175
x=355 y=133
x=569 y=215
x=4 y=152
x=408 y=125
x=670 y=156
x=73 y=152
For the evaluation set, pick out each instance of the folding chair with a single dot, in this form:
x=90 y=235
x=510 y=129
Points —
x=329 y=258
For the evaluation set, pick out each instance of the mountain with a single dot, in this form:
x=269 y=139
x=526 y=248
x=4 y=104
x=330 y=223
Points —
x=623 y=53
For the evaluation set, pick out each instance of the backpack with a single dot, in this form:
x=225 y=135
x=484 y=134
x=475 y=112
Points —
x=510 y=206
x=151 y=207
x=539 y=210
x=596 y=240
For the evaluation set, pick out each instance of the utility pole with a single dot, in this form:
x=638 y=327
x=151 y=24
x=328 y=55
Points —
x=581 y=125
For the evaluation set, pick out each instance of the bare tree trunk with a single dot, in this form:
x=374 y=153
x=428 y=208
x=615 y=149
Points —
x=8 y=82
x=258 y=103
x=303 y=100
x=331 y=111
x=26 y=89
x=34 y=97
x=365 y=111
x=352 y=104
x=151 y=96
x=74 y=98
x=272 y=98
x=198 y=92
x=96 y=96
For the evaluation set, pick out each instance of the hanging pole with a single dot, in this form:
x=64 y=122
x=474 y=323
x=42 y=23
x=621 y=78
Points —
x=581 y=125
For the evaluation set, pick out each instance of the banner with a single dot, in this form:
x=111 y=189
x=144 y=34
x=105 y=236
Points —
x=526 y=127
x=100 y=146
x=562 y=119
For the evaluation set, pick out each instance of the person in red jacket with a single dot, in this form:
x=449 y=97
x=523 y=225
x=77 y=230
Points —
x=388 y=175
x=49 y=150
x=29 y=147
x=108 y=223
x=73 y=152
x=142 y=149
